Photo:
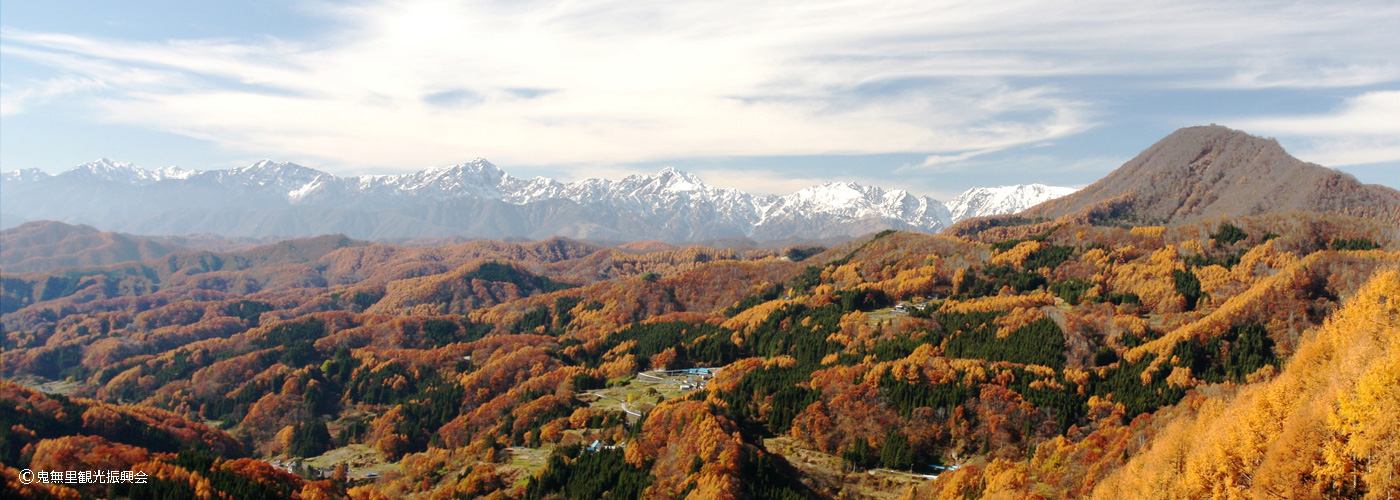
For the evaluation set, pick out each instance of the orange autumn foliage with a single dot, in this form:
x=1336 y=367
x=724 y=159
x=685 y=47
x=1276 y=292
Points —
x=1312 y=432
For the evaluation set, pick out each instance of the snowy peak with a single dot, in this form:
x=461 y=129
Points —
x=284 y=177
x=831 y=195
x=25 y=175
x=173 y=172
x=984 y=201
x=106 y=170
x=849 y=201
x=674 y=180
x=271 y=170
x=477 y=178
x=668 y=180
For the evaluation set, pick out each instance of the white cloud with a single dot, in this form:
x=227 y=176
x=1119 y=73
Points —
x=609 y=81
x=14 y=101
x=1364 y=130
x=944 y=162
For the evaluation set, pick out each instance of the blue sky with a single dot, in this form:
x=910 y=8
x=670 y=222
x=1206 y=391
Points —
x=931 y=96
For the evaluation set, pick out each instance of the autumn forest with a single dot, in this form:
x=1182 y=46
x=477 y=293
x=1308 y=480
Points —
x=1101 y=354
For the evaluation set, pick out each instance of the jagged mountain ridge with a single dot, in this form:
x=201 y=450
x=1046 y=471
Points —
x=982 y=201
x=472 y=199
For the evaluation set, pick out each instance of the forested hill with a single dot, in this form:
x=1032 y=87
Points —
x=47 y=245
x=1070 y=361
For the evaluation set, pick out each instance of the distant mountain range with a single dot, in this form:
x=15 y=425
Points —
x=474 y=199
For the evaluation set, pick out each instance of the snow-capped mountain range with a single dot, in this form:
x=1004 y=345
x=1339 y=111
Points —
x=980 y=201
x=475 y=199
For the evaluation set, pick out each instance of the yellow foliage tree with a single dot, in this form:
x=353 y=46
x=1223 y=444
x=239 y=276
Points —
x=1326 y=427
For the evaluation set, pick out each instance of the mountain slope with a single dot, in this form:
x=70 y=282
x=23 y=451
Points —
x=1200 y=173
x=44 y=245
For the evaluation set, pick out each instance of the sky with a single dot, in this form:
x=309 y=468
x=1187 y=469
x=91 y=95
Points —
x=927 y=95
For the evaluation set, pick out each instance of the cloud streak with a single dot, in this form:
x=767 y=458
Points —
x=404 y=84
x=1364 y=130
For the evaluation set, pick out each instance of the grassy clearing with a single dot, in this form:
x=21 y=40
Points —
x=524 y=463
x=359 y=459
x=64 y=387
x=638 y=393
x=532 y=460
x=874 y=318
x=829 y=473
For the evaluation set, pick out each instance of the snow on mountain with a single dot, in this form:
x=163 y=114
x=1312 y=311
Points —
x=283 y=177
x=850 y=201
x=110 y=171
x=103 y=170
x=172 y=172
x=983 y=201
x=25 y=175
x=670 y=204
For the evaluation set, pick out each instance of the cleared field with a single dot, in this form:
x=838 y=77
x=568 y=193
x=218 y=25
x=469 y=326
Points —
x=829 y=472
x=530 y=460
x=361 y=461
x=640 y=393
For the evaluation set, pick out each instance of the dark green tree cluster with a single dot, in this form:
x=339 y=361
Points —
x=1050 y=256
x=530 y=321
x=769 y=478
x=1226 y=260
x=1041 y=342
x=1228 y=234
x=1189 y=286
x=1352 y=244
x=893 y=349
x=309 y=439
x=247 y=310
x=577 y=474
x=696 y=344
x=1118 y=298
x=1123 y=384
x=778 y=387
x=904 y=396
x=784 y=332
x=863 y=300
x=1241 y=351
x=799 y=254
x=224 y=481
x=1066 y=406
x=990 y=280
x=429 y=400
x=296 y=341
x=441 y=332
x=1071 y=290
x=1250 y=349
x=524 y=280
x=554 y=322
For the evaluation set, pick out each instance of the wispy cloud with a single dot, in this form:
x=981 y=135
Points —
x=1364 y=130
x=14 y=101
x=609 y=81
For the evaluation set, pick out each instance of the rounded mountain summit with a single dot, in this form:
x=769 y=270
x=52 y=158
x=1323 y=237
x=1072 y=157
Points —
x=1210 y=172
